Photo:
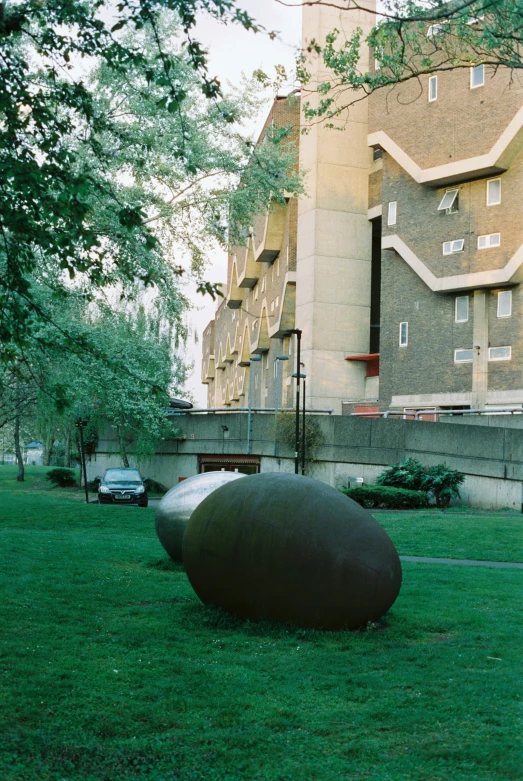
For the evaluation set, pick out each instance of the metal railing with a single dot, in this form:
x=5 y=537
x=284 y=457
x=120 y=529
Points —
x=415 y=414
x=232 y=410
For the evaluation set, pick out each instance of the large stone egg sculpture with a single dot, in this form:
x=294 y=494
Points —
x=178 y=504
x=288 y=548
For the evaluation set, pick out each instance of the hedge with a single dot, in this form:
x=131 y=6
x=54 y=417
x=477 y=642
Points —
x=386 y=497
x=61 y=477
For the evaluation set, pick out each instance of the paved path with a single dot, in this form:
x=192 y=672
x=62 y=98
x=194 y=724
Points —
x=463 y=562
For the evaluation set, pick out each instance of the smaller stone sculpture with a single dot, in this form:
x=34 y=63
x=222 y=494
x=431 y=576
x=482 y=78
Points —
x=178 y=504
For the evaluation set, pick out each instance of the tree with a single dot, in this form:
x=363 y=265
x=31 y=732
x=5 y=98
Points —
x=125 y=382
x=408 y=40
x=105 y=142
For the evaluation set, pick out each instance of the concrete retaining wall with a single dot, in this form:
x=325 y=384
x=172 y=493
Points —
x=490 y=456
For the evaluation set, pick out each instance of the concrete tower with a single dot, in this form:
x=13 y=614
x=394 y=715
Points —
x=333 y=274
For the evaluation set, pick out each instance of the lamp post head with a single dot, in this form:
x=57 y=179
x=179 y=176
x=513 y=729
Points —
x=282 y=358
x=254 y=358
x=301 y=376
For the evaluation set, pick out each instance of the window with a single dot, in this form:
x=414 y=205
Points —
x=489 y=240
x=477 y=76
x=505 y=303
x=462 y=309
x=404 y=334
x=433 y=88
x=499 y=353
x=450 y=247
x=377 y=154
x=449 y=202
x=393 y=210
x=493 y=192
x=463 y=355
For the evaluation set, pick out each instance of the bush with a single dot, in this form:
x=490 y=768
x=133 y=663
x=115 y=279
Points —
x=94 y=485
x=61 y=477
x=386 y=497
x=439 y=481
x=408 y=474
x=442 y=483
x=153 y=486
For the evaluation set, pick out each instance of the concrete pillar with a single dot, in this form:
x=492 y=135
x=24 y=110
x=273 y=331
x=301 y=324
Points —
x=481 y=341
x=334 y=234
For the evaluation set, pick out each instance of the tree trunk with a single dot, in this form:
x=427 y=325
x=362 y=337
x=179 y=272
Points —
x=123 y=454
x=67 y=448
x=78 y=447
x=18 y=451
x=48 y=450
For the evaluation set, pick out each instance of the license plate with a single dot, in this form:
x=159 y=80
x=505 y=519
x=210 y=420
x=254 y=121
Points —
x=122 y=498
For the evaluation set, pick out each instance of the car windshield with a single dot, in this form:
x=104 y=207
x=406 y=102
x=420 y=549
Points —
x=122 y=476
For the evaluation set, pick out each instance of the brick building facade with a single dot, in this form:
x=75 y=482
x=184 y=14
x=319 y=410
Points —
x=402 y=263
x=452 y=239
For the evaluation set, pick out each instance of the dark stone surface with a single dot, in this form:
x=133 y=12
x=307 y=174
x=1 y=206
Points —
x=288 y=548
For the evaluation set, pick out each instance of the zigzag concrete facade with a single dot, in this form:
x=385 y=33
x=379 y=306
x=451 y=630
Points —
x=402 y=264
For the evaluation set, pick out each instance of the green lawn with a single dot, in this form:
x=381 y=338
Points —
x=458 y=534
x=111 y=669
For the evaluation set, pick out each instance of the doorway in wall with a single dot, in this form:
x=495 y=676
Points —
x=247 y=465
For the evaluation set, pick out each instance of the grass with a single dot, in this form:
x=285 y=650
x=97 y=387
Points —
x=112 y=670
x=458 y=534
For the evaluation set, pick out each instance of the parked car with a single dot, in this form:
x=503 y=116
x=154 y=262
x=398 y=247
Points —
x=122 y=486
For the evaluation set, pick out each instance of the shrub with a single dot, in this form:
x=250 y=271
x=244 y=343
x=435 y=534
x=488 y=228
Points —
x=61 y=477
x=439 y=481
x=94 y=485
x=442 y=482
x=386 y=497
x=408 y=474
x=153 y=486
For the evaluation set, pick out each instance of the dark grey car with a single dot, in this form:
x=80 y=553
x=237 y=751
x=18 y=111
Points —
x=122 y=486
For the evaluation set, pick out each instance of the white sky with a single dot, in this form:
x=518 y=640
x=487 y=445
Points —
x=233 y=51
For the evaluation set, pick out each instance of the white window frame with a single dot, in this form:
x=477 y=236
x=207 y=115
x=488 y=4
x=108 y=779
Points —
x=504 y=358
x=453 y=191
x=403 y=342
x=433 y=80
x=474 y=69
x=489 y=202
x=463 y=350
x=461 y=319
x=506 y=295
x=453 y=250
x=392 y=213
x=489 y=243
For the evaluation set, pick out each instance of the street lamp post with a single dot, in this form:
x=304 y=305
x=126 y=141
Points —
x=277 y=398
x=303 y=430
x=252 y=360
x=298 y=332
x=80 y=426
x=299 y=377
